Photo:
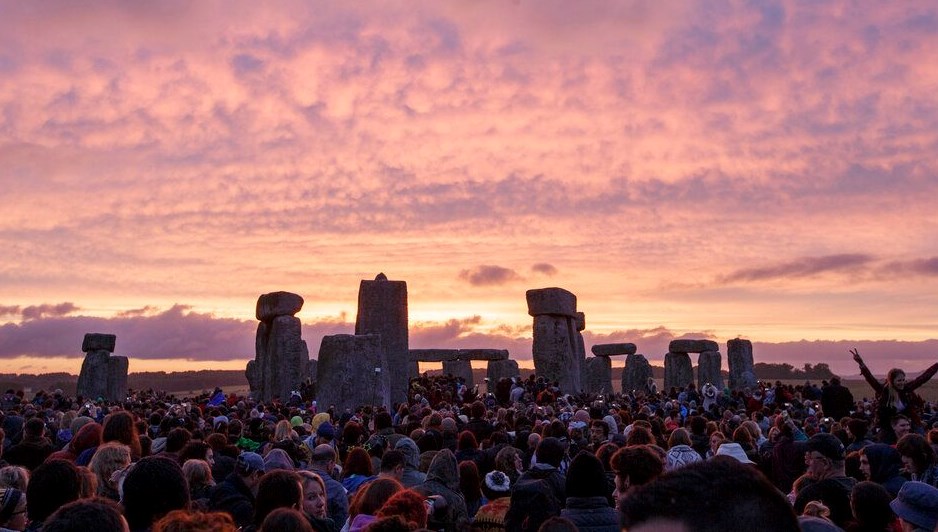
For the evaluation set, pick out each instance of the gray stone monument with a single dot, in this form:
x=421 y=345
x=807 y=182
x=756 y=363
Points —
x=739 y=356
x=678 y=371
x=636 y=372
x=281 y=362
x=103 y=375
x=352 y=371
x=382 y=310
x=598 y=372
x=459 y=368
x=501 y=369
x=709 y=369
x=556 y=340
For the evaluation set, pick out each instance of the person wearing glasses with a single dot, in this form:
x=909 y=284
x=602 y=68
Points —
x=825 y=479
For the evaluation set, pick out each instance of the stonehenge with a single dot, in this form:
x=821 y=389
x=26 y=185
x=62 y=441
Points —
x=352 y=371
x=382 y=310
x=739 y=355
x=598 y=375
x=458 y=362
x=556 y=348
x=103 y=375
x=281 y=362
x=636 y=372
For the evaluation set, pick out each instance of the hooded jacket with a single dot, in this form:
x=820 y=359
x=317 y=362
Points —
x=412 y=475
x=443 y=479
x=88 y=437
x=885 y=464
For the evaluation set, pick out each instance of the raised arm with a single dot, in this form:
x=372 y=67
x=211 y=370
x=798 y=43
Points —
x=923 y=378
x=870 y=379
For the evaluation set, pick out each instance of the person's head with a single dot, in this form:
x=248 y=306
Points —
x=508 y=460
x=249 y=466
x=745 y=498
x=679 y=437
x=640 y=435
x=558 y=524
x=550 y=451
x=371 y=496
x=917 y=454
x=716 y=439
x=198 y=473
x=107 y=459
x=277 y=489
x=97 y=513
x=900 y=425
x=858 y=428
x=120 y=427
x=283 y=431
x=470 y=484
x=586 y=477
x=177 y=439
x=496 y=485
x=323 y=457
x=635 y=466
x=896 y=378
x=392 y=464
x=53 y=484
x=599 y=431
x=467 y=441
x=185 y=521
x=12 y=509
x=825 y=456
x=407 y=504
x=916 y=505
x=314 y=493
x=358 y=462
x=286 y=520
x=197 y=450
x=869 y=503
x=14 y=477
x=153 y=487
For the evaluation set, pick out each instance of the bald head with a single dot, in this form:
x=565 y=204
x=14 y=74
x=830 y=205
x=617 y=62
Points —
x=323 y=453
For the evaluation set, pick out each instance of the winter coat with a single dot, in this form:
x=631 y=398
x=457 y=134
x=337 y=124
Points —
x=336 y=496
x=834 y=492
x=591 y=514
x=911 y=400
x=88 y=436
x=554 y=478
x=234 y=497
x=412 y=475
x=443 y=479
x=885 y=464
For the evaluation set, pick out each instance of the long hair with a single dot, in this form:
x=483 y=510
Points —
x=120 y=426
x=892 y=394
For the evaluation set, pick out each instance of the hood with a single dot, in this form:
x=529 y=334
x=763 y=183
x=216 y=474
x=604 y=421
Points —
x=89 y=435
x=444 y=470
x=278 y=459
x=885 y=462
x=410 y=450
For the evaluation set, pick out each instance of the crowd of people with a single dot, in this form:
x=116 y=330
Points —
x=527 y=456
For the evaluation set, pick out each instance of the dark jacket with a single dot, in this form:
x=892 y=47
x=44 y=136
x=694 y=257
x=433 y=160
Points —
x=911 y=400
x=836 y=401
x=550 y=474
x=834 y=492
x=29 y=453
x=336 y=496
x=443 y=479
x=591 y=514
x=885 y=464
x=234 y=497
x=412 y=475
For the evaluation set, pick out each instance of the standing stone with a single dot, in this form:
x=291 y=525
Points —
x=739 y=356
x=598 y=375
x=501 y=369
x=382 y=310
x=352 y=371
x=281 y=362
x=459 y=368
x=636 y=373
x=553 y=350
x=92 y=381
x=102 y=375
x=678 y=371
x=708 y=369
x=579 y=321
x=117 y=367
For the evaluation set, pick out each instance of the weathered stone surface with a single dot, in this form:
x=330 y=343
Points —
x=251 y=375
x=117 y=367
x=678 y=371
x=739 y=356
x=708 y=369
x=459 y=368
x=281 y=361
x=554 y=351
x=92 y=381
x=382 y=310
x=352 y=371
x=501 y=369
x=598 y=375
x=551 y=301
x=636 y=373
x=483 y=354
x=274 y=304
x=692 y=346
x=434 y=355
x=580 y=318
x=609 y=350
x=99 y=342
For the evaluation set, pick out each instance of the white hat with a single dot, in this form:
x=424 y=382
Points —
x=734 y=450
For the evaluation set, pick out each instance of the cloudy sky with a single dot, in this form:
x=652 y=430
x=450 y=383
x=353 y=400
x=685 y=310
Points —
x=714 y=169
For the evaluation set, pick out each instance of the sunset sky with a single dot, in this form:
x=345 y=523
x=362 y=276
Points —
x=710 y=169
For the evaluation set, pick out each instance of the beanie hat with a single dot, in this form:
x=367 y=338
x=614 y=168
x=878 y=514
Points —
x=586 y=477
x=296 y=421
x=828 y=445
x=497 y=481
x=326 y=431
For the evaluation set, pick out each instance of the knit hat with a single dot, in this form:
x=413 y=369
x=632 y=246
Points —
x=326 y=430
x=828 y=445
x=917 y=503
x=296 y=421
x=497 y=481
x=586 y=477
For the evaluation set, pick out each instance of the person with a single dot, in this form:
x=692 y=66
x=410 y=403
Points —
x=443 y=479
x=12 y=509
x=199 y=478
x=496 y=487
x=97 y=513
x=322 y=463
x=277 y=489
x=368 y=500
x=869 y=503
x=14 y=477
x=153 y=487
x=680 y=452
x=687 y=498
x=917 y=506
x=314 y=501
x=235 y=494
x=109 y=458
x=119 y=426
x=392 y=465
x=634 y=466
x=33 y=449
x=918 y=456
x=881 y=464
x=52 y=485
x=509 y=461
x=836 y=399
x=357 y=470
x=412 y=475
x=895 y=396
x=185 y=521
x=407 y=504
x=470 y=485
x=825 y=479
x=587 y=504
x=548 y=455
x=286 y=520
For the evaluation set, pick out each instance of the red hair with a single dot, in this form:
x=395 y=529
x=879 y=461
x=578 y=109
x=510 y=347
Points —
x=407 y=504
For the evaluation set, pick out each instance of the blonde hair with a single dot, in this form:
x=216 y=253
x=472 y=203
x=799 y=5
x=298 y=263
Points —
x=283 y=431
x=14 y=477
x=197 y=473
x=817 y=509
x=892 y=395
x=309 y=476
x=110 y=457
